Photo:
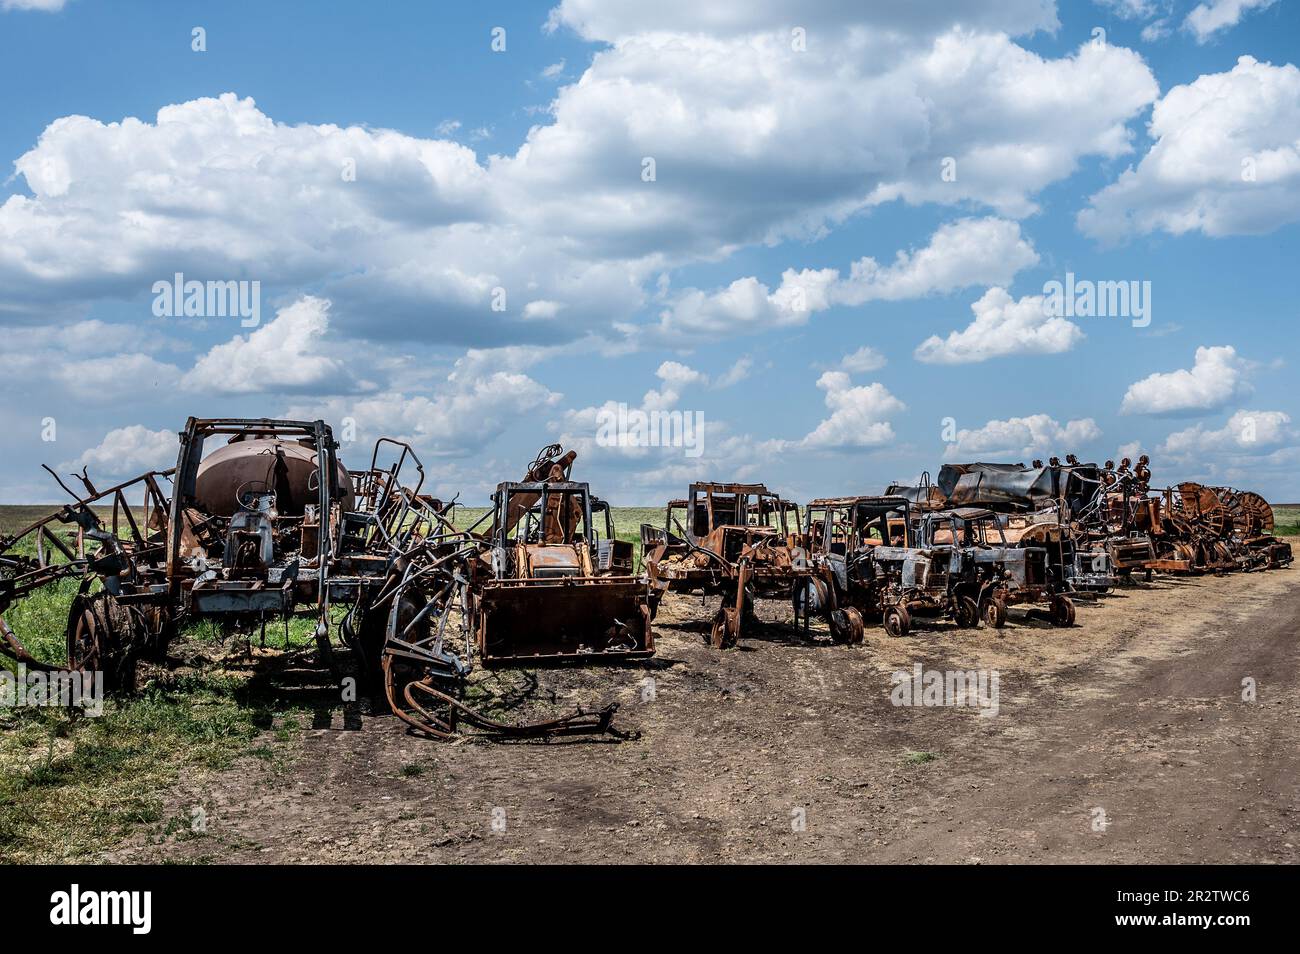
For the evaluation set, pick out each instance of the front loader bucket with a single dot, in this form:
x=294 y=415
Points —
x=569 y=618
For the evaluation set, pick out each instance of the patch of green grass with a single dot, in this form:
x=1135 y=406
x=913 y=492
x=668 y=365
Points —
x=411 y=770
x=919 y=758
x=73 y=785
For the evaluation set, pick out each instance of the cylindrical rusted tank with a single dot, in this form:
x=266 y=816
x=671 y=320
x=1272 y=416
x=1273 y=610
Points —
x=285 y=467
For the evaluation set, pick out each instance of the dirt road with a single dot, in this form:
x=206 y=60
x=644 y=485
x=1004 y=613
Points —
x=1123 y=739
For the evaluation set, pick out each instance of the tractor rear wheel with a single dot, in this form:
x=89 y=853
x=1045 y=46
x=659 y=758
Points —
x=898 y=622
x=847 y=626
x=995 y=613
x=967 y=613
x=1062 y=611
x=99 y=639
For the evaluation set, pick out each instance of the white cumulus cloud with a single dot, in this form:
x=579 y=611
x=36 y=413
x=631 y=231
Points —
x=1002 y=326
x=127 y=451
x=283 y=355
x=1035 y=435
x=1217 y=377
x=859 y=415
x=1225 y=160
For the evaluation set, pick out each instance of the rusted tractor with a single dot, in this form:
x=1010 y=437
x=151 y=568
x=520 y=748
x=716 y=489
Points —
x=552 y=585
x=547 y=583
x=738 y=541
x=959 y=566
x=840 y=534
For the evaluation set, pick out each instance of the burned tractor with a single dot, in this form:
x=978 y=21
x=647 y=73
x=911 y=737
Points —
x=542 y=585
x=737 y=542
x=549 y=585
x=840 y=535
x=960 y=566
x=1041 y=506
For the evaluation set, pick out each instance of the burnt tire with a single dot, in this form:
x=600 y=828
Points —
x=1062 y=611
x=898 y=622
x=995 y=613
x=725 y=629
x=809 y=598
x=857 y=629
x=847 y=626
x=967 y=613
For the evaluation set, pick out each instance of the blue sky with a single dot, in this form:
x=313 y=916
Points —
x=776 y=168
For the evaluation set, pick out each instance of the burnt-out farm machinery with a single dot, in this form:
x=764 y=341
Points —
x=260 y=522
x=247 y=533
x=269 y=525
x=876 y=559
x=737 y=541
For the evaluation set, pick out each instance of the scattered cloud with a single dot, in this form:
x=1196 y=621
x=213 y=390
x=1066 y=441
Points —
x=1207 y=19
x=863 y=360
x=1217 y=377
x=454 y=420
x=1225 y=160
x=47 y=6
x=1130 y=9
x=1022 y=437
x=959 y=254
x=1245 y=432
x=1002 y=326
x=736 y=373
x=127 y=451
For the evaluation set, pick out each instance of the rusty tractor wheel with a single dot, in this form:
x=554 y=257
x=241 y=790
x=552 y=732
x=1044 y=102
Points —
x=726 y=628
x=967 y=613
x=847 y=626
x=371 y=637
x=995 y=613
x=898 y=622
x=1062 y=611
x=98 y=638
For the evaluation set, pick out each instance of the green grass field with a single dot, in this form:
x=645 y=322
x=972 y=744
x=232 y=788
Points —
x=1287 y=520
